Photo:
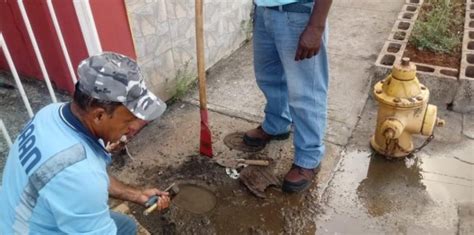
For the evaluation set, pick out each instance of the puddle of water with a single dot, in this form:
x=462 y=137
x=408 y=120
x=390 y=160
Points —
x=195 y=199
x=239 y=212
x=370 y=193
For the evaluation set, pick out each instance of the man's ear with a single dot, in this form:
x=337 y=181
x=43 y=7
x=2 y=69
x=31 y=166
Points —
x=98 y=114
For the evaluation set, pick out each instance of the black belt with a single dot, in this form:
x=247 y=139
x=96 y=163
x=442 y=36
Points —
x=297 y=7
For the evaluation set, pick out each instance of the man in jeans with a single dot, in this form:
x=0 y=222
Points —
x=55 y=180
x=291 y=68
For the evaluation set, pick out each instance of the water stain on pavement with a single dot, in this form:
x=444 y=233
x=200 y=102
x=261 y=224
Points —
x=411 y=195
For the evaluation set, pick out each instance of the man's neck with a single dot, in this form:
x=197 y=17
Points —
x=83 y=118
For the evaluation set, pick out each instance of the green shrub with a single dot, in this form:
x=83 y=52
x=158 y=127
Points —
x=436 y=28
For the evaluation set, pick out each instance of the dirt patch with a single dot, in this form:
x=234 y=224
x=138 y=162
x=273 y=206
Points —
x=428 y=57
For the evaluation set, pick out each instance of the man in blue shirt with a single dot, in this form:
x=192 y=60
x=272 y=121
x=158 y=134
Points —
x=291 y=68
x=55 y=180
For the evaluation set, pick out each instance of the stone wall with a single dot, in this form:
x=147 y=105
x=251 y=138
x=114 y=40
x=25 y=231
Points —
x=164 y=37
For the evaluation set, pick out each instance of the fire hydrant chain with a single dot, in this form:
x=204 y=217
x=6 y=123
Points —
x=427 y=141
x=397 y=146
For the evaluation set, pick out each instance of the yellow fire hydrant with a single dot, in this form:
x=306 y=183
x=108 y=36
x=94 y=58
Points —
x=403 y=112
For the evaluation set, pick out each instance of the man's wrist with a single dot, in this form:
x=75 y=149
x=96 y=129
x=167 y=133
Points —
x=316 y=27
x=135 y=195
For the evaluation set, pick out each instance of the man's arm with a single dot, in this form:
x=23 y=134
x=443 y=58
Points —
x=125 y=192
x=310 y=40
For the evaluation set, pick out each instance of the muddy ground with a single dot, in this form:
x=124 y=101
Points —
x=160 y=159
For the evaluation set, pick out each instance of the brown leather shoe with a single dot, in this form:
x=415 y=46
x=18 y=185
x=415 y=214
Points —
x=258 y=138
x=299 y=179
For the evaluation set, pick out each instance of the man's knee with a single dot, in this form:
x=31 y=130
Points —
x=125 y=224
x=130 y=227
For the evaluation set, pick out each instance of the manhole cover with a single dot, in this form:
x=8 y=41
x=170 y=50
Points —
x=236 y=141
x=195 y=199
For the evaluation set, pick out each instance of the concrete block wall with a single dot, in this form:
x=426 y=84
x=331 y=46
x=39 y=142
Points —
x=463 y=101
x=397 y=40
x=164 y=37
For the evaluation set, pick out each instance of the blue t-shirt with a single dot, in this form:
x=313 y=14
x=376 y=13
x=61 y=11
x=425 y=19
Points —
x=55 y=180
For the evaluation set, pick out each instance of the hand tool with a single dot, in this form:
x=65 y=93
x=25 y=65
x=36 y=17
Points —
x=152 y=202
x=236 y=163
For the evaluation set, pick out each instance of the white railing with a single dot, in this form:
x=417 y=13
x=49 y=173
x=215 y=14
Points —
x=61 y=40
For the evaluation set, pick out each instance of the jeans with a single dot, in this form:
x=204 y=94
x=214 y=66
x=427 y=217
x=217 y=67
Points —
x=125 y=225
x=296 y=91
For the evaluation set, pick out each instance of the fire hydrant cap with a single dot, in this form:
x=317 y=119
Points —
x=404 y=70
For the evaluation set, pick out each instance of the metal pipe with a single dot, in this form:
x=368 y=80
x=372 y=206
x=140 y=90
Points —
x=88 y=28
x=6 y=52
x=61 y=41
x=5 y=133
x=37 y=51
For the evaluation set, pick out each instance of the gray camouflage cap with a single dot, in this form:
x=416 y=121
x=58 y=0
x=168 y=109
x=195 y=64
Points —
x=111 y=76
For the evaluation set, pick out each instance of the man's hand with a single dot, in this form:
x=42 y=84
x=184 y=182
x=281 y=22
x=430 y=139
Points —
x=118 y=146
x=122 y=191
x=309 y=43
x=164 y=199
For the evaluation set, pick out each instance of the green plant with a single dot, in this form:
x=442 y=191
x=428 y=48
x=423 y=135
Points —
x=436 y=29
x=184 y=78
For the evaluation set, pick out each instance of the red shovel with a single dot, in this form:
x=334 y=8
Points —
x=205 y=147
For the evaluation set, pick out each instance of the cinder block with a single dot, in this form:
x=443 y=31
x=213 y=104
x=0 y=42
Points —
x=414 y=2
x=398 y=36
x=442 y=88
x=403 y=25
x=463 y=100
x=411 y=8
x=391 y=53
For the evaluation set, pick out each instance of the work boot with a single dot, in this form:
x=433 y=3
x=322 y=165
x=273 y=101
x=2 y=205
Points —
x=258 y=138
x=299 y=179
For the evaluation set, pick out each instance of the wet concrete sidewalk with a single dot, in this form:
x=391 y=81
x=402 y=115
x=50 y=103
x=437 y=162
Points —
x=356 y=192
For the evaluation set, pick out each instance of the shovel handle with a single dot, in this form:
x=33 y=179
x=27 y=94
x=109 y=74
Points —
x=200 y=54
x=256 y=162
